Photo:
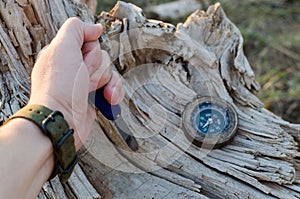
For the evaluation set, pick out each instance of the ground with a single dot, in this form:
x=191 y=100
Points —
x=271 y=30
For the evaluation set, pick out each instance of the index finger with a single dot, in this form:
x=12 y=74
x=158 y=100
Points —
x=76 y=32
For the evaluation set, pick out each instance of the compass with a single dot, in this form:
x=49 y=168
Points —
x=210 y=122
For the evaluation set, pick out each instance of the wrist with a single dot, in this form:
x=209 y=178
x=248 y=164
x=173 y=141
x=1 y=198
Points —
x=29 y=157
x=55 y=127
x=53 y=104
x=31 y=138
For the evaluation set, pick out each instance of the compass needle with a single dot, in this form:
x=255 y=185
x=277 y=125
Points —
x=210 y=120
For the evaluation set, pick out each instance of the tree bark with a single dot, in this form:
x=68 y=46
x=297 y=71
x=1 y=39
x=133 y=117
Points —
x=164 y=68
x=91 y=4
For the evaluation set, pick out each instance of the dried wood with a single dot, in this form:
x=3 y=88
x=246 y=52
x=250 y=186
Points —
x=80 y=185
x=92 y=5
x=175 y=9
x=118 y=178
x=163 y=67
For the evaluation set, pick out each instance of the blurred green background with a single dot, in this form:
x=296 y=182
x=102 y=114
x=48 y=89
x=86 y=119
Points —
x=271 y=31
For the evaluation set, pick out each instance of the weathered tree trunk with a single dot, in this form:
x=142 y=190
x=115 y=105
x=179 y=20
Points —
x=164 y=68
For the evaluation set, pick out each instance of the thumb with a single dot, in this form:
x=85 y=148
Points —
x=76 y=32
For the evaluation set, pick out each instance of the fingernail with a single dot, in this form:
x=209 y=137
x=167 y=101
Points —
x=116 y=95
x=100 y=28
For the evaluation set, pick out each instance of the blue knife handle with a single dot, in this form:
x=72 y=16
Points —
x=111 y=112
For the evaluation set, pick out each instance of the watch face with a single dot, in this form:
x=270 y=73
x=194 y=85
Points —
x=210 y=120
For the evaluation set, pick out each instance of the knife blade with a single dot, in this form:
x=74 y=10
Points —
x=113 y=113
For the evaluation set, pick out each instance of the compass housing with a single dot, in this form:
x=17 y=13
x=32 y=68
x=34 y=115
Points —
x=210 y=122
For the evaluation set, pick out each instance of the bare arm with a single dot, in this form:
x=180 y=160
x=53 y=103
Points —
x=65 y=72
x=26 y=159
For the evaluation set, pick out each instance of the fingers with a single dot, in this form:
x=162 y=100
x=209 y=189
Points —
x=113 y=91
x=92 y=56
x=76 y=32
x=103 y=74
x=76 y=35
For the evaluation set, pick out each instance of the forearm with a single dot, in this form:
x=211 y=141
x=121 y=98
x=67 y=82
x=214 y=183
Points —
x=61 y=80
x=26 y=159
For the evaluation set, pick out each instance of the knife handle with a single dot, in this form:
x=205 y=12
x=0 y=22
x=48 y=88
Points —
x=111 y=112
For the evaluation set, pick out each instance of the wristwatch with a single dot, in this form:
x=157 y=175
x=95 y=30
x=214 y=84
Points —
x=54 y=126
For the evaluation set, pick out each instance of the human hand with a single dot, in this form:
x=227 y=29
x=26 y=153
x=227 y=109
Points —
x=70 y=67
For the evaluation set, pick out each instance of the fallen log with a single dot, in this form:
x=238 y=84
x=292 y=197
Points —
x=164 y=68
x=175 y=9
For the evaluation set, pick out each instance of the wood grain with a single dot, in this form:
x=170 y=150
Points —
x=163 y=69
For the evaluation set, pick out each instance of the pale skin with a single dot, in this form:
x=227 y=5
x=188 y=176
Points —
x=65 y=72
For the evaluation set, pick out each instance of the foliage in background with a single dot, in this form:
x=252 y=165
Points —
x=271 y=31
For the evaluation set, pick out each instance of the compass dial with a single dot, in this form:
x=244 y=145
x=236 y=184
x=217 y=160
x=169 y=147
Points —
x=210 y=120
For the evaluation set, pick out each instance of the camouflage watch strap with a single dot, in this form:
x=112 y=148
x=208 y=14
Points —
x=53 y=125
